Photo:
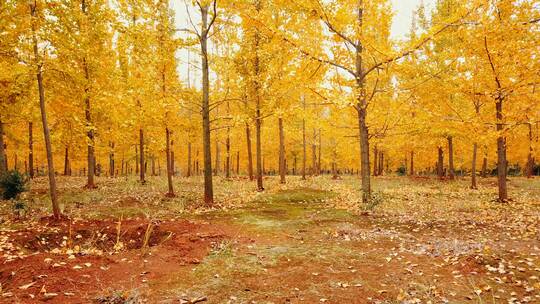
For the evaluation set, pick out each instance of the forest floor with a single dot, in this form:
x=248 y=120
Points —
x=424 y=241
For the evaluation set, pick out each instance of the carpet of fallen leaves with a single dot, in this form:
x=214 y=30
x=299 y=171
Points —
x=422 y=241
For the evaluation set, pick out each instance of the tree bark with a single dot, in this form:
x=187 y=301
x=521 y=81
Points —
x=314 y=154
x=111 y=161
x=319 y=163
x=304 y=158
x=189 y=160
x=66 y=162
x=411 y=169
x=530 y=158
x=142 y=163
x=375 y=160
x=440 y=163
x=451 y=171
x=228 y=154
x=218 y=160
x=3 y=167
x=169 y=167
x=207 y=155
x=281 y=151
x=381 y=163
x=501 y=153
x=30 y=150
x=46 y=132
x=249 y=152
x=473 y=169
x=361 y=109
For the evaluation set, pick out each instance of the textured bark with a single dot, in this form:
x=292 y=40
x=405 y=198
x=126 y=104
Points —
x=440 y=163
x=304 y=158
x=530 y=158
x=188 y=174
x=381 y=163
x=90 y=183
x=3 y=166
x=30 y=150
x=473 y=169
x=142 y=163
x=281 y=152
x=111 y=161
x=484 y=166
x=46 y=132
x=170 y=193
x=207 y=155
x=66 y=162
x=501 y=153
x=228 y=154
x=375 y=160
x=411 y=169
x=136 y=159
x=451 y=171
x=249 y=153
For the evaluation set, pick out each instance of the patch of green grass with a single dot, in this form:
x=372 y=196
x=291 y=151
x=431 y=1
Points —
x=300 y=195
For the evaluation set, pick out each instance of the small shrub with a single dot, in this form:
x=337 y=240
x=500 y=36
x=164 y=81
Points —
x=401 y=171
x=12 y=184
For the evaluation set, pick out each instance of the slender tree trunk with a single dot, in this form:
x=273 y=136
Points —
x=501 y=153
x=411 y=170
x=189 y=160
x=530 y=158
x=237 y=162
x=142 y=170
x=3 y=166
x=451 y=171
x=66 y=162
x=208 y=186
x=249 y=153
x=381 y=163
x=111 y=161
x=440 y=163
x=375 y=160
x=173 y=168
x=228 y=154
x=319 y=163
x=281 y=151
x=218 y=159
x=153 y=164
x=46 y=132
x=473 y=169
x=484 y=164
x=304 y=155
x=30 y=150
x=169 y=167
x=258 y=123
x=361 y=108
x=136 y=159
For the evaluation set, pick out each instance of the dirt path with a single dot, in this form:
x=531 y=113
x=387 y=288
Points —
x=286 y=247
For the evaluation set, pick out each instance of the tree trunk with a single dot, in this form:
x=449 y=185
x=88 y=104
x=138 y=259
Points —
x=189 y=160
x=375 y=160
x=440 y=163
x=208 y=186
x=66 y=162
x=3 y=166
x=381 y=163
x=46 y=132
x=237 y=162
x=153 y=164
x=142 y=163
x=361 y=108
x=111 y=161
x=30 y=150
x=411 y=170
x=218 y=159
x=473 y=169
x=304 y=158
x=501 y=153
x=451 y=171
x=173 y=168
x=249 y=152
x=136 y=159
x=228 y=154
x=319 y=164
x=169 y=167
x=484 y=165
x=258 y=122
x=281 y=152
x=530 y=158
